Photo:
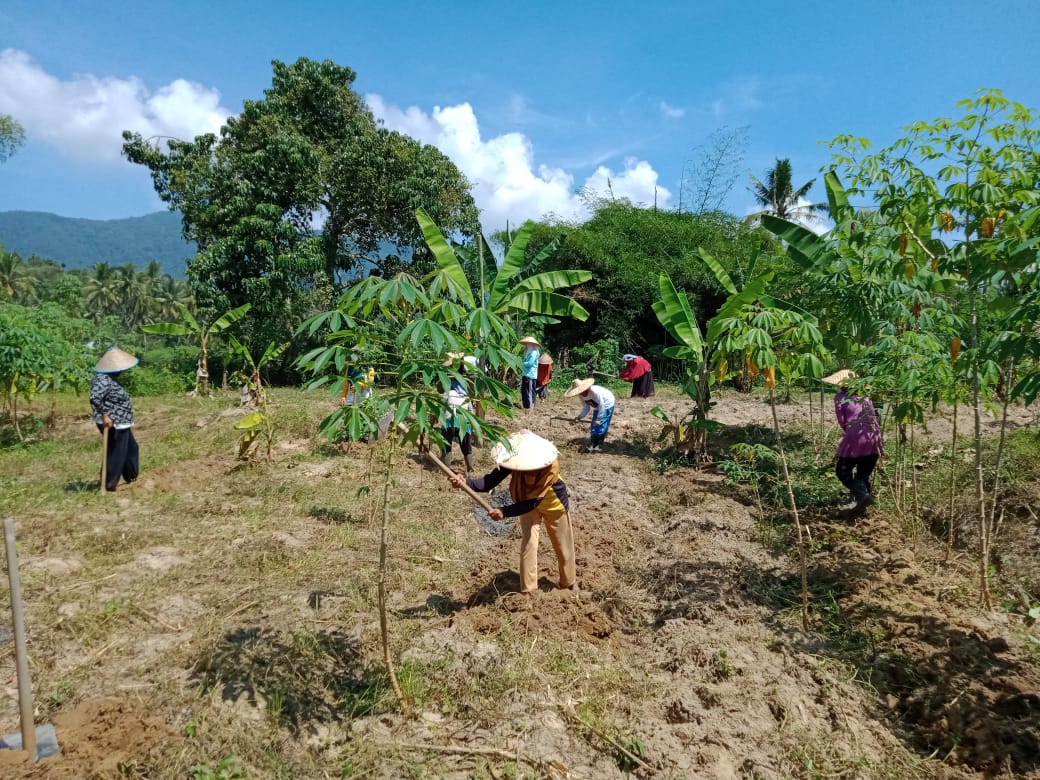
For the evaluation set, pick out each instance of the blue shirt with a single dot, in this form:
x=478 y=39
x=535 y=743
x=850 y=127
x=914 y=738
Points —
x=531 y=364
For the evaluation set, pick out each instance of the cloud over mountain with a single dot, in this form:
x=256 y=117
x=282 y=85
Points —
x=84 y=116
x=508 y=182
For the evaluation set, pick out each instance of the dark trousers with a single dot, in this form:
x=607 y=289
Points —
x=454 y=434
x=123 y=458
x=527 y=391
x=854 y=473
x=542 y=391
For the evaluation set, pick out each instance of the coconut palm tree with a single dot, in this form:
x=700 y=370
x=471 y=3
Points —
x=101 y=291
x=17 y=284
x=778 y=196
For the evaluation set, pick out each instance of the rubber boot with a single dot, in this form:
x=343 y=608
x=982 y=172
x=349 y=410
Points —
x=469 y=462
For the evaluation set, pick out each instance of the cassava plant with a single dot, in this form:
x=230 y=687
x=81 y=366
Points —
x=404 y=320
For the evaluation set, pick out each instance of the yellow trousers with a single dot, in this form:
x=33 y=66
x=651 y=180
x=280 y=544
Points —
x=558 y=526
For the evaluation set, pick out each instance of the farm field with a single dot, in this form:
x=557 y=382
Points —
x=218 y=619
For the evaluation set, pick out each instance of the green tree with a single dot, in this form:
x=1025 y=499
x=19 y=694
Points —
x=626 y=248
x=778 y=195
x=16 y=280
x=298 y=193
x=518 y=286
x=958 y=196
x=12 y=135
x=399 y=318
x=101 y=291
x=200 y=334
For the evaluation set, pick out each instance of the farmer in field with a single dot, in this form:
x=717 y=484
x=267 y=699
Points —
x=357 y=385
x=529 y=380
x=860 y=446
x=539 y=497
x=637 y=371
x=457 y=397
x=598 y=400
x=545 y=368
x=114 y=411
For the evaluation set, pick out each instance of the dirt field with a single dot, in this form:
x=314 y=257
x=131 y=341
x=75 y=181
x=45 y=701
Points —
x=218 y=620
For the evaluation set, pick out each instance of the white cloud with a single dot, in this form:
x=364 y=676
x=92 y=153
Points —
x=671 y=112
x=84 y=116
x=508 y=183
x=740 y=95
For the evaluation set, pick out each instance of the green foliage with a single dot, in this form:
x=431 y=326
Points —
x=227 y=769
x=12 y=135
x=308 y=152
x=200 y=334
x=517 y=287
x=414 y=330
x=626 y=248
x=257 y=425
x=601 y=357
x=37 y=353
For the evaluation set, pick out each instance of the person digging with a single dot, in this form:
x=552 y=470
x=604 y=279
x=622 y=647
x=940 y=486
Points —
x=539 y=498
x=601 y=402
x=861 y=444
x=457 y=398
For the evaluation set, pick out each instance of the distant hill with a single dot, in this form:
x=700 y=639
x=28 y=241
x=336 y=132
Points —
x=80 y=243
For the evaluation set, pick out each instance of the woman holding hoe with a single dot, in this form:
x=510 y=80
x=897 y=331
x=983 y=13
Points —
x=539 y=497
x=114 y=416
x=861 y=445
x=601 y=401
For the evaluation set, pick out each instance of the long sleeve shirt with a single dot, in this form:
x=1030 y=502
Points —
x=531 y=364
x=556 y=497
x=107 y=396
x=634 y=369
x=598 y=400
x=859 y=421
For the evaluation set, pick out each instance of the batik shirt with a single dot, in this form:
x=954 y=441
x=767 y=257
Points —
x=108 y=397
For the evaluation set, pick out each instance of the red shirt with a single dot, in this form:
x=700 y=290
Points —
x=634 y=369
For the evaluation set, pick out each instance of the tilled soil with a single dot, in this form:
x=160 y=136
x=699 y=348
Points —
x=686 y=606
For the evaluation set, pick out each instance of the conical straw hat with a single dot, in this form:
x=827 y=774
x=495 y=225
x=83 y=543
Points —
x=839 y=377
x=545 y=359
x=115 y=361
x=531 y=340
x=579 y=386
x=525 y=451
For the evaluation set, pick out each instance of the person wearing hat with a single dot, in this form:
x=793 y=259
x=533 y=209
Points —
x=457 y=397
x=113 y=410
x=539 y=498
x=601 y=401
x=529 y=380
x=637 y=371
x=545 y=367
x=861 y=444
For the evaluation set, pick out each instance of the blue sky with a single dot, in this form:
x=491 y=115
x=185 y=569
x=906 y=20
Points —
x=532 y=100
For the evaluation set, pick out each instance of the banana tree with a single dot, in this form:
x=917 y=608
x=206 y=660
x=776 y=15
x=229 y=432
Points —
x=258 y=423
x=189 y=326
x=512 y=288
x=689 y=433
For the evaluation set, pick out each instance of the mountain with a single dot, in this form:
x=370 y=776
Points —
x=80 y=243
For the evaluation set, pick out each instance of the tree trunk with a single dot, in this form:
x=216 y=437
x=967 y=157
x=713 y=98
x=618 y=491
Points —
x=980 y=489
x=953 y=478
x=803 y=557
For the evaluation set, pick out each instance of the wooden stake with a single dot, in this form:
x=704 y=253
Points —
x=104 y=458
x=25 y=702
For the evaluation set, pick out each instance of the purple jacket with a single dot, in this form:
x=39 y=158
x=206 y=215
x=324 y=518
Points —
x=857 y=418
